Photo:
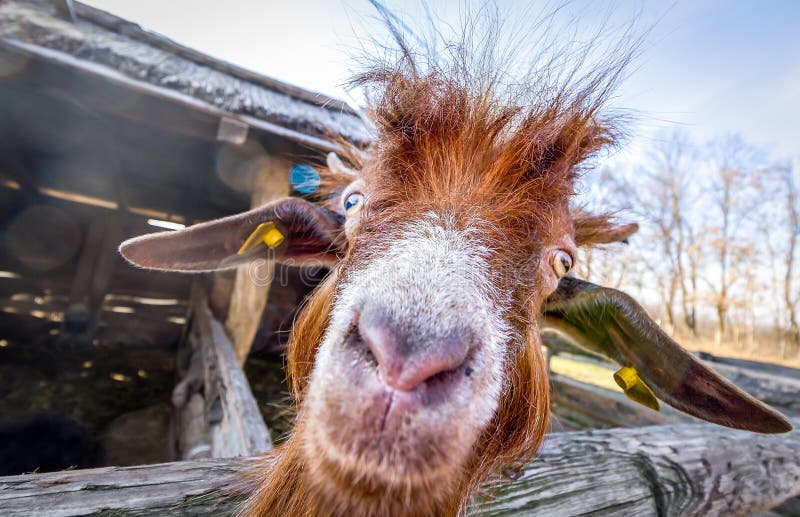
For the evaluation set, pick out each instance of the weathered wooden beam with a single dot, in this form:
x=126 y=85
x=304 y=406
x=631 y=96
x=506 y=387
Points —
x=31 y=29
x=581 y=405
x=235 y=422
x=749 y=365
x=687 y=470
x=251 y=286
x=79 y=314
x=780 y=392
x=192 y=431
x=180 y=488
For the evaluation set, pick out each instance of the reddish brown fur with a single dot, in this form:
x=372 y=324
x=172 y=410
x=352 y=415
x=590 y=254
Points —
x=447 y=141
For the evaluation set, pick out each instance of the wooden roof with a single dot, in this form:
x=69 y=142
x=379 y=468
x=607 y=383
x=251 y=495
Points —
x=107 y=125
x=105 y=45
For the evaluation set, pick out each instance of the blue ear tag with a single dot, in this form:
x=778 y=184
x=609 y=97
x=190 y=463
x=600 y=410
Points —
x=304 y=178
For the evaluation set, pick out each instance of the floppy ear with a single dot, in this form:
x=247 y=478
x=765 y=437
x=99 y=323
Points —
x=610 y=323
x=290 y=230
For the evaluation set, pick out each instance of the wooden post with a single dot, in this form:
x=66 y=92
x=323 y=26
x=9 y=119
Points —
x=91 y=281
x=253 y=281
x=216 y=412
x=235 y=422
x=79 y=315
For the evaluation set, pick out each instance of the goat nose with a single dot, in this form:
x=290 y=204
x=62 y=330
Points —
x=405 y=363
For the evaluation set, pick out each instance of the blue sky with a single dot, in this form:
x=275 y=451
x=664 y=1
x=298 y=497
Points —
x=709 y=67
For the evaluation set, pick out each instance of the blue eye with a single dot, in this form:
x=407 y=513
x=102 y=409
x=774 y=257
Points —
x=353 y=202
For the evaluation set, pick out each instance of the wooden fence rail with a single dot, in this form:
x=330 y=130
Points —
x=676 y=470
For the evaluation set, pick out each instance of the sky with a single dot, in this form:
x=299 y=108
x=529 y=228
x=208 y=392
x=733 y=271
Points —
x=711 y=68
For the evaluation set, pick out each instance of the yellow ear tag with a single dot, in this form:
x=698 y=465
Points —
x=267 y=233
x=635 y=389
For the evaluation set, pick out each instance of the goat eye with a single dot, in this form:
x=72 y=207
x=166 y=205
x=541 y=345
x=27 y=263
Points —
x=562 y=263
x=353 y=202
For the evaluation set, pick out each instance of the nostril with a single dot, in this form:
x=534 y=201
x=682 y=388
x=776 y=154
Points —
x=380 y=346
x=370 y=356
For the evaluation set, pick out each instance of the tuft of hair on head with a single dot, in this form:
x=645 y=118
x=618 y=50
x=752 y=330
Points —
x=596 y=229
x=520 y=111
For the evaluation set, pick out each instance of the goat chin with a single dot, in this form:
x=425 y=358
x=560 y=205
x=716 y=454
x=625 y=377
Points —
x=287 y=482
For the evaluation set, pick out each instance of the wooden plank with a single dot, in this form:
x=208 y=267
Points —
x=121 y=26
x=32 y=28
x=251 y=286
x=783 y=393
x=192 y=432
x=754 y=366
x=237 y=427
x=687 y=470
x=181 y=488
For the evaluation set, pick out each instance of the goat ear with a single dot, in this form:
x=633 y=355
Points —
x=610 y=323
x=291 y=230
x=591 y=230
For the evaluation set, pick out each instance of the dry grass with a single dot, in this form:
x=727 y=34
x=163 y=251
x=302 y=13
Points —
x=579 y=369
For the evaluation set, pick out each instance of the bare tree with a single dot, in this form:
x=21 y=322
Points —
x=733 y=200
x=664 y=199
x=720 y=235
x=791 y=204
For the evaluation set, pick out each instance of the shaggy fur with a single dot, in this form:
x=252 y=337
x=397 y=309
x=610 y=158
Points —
x=454 y=142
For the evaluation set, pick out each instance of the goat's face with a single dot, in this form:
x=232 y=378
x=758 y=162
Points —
x=417 y=364
x=436 y=302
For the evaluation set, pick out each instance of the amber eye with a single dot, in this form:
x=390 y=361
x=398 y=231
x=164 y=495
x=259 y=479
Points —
x=562 y=263
x=353 y=202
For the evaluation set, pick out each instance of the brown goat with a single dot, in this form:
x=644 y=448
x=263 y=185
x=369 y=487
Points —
x=416 y=366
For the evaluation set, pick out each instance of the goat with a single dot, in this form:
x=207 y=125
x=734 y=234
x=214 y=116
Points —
x=416 y=365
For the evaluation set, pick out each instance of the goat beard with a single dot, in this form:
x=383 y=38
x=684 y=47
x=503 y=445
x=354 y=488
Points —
x=289 y=482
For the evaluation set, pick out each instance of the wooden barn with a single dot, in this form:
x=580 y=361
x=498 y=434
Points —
x=110 y=131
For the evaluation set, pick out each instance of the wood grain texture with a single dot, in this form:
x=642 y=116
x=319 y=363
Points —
x=237 y=427
x=104 y=41
x=180 y=488
x=686 y=470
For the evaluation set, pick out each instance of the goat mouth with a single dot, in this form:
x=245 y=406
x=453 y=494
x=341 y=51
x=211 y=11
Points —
x=374 y=433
